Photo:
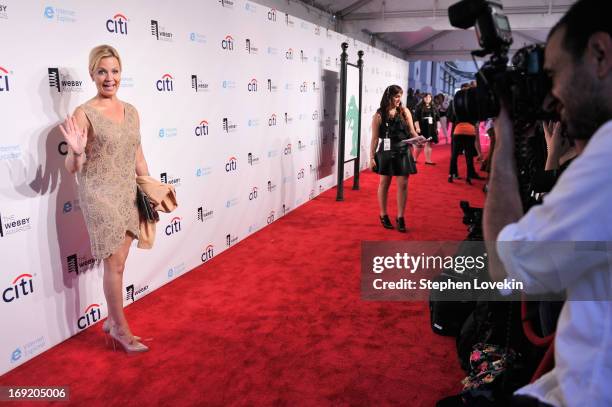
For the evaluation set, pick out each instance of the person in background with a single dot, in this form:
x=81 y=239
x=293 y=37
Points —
x=392 y=125
x=463 y=136
x=442 y=105
x=411 y=100
x=426 y=120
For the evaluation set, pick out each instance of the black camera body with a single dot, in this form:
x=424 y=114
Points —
x=523 y=86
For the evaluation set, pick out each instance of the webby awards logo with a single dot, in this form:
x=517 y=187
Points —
x=159 y=32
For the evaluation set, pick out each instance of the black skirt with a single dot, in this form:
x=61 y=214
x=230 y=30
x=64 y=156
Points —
x=397 y=161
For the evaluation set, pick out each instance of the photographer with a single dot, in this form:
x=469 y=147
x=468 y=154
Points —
x=578 y=59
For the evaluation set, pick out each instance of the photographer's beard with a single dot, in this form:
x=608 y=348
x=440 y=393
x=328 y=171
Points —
x=585 y=106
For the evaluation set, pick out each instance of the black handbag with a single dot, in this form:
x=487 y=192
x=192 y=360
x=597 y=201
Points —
x=146 y=208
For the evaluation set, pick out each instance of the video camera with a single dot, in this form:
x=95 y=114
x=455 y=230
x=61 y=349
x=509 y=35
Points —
x=524 y=84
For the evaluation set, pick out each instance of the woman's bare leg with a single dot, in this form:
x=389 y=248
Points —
x=383 y=190
x=114 y=266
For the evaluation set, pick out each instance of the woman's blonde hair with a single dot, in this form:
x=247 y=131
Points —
x=99 y=52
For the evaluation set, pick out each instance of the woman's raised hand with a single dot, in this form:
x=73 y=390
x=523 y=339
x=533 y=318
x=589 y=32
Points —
x=75 y=137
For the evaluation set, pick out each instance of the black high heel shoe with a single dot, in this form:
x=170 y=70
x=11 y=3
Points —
x=401 y=225
x=386 y=222
x=468 y=180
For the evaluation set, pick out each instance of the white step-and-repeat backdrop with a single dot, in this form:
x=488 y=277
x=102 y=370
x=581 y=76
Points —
x=238 y=106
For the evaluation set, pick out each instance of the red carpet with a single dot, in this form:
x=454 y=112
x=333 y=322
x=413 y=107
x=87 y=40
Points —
x=278 y=319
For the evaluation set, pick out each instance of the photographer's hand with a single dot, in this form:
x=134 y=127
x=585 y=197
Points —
x=503 y=205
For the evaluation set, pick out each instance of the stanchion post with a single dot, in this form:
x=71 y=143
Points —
x=358 y=159
x=342 y=123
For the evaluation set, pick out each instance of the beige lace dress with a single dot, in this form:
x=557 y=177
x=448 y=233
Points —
x=107 y=181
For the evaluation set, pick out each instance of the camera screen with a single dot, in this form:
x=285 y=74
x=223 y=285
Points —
x=502 y=22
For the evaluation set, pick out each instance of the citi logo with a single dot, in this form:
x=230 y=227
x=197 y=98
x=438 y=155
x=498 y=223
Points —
x=304 y=87
x=300 y=174
x=272 y=120
x=63 y=84
x=230 y=240
x=201 y=129
x=252 y=85
x=228 y=43
x=91 y=315
x=4 y=80
x=272 y=15
x=231 y=164
x=270 y=217
x=271 y=87
x=315 y=115
x=198 y=86
x=20 y=287
x=117 y=24
x=289 y=53
x=253 y=194
x=174 y=226
x=76 y=265
x=287 y=149
x=165 y=84
x=209 y=253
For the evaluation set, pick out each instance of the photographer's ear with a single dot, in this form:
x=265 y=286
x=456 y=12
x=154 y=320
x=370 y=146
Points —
x=599 y=49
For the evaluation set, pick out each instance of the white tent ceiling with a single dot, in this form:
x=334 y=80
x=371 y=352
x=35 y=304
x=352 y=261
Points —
x=420 y=28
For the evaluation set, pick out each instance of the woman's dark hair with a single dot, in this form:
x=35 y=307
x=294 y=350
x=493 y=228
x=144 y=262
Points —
x=385 y=102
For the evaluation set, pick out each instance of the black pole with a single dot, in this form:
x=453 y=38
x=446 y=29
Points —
x=342 y=123
x=358 y=160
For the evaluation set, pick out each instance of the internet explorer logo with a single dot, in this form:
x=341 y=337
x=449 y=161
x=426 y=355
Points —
x=49 y=12
x=16 y=355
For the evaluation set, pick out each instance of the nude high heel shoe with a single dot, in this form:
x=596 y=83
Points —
x=129 y=343
x=106 y=326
